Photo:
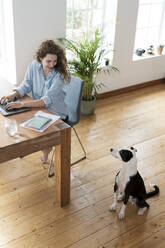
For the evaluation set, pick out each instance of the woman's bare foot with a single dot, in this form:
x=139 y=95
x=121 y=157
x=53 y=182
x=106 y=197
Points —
x=45 y=154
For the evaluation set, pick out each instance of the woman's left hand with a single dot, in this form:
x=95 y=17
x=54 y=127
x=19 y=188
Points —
x=12 y=105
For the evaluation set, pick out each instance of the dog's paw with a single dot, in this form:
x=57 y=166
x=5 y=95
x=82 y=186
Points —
x=120 y=197
x=121 y=215
x=112 y=207
x=141 y=211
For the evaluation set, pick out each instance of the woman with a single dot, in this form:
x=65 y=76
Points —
x=45 y=78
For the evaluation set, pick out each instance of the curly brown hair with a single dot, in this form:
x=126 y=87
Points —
x=51 y=47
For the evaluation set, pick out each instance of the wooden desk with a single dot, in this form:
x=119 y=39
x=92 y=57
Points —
x=28 y=141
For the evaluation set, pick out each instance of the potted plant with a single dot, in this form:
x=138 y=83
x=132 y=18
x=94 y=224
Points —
x=86 y=64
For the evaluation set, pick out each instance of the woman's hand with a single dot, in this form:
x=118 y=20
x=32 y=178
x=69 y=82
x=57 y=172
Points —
x=13 y=105
x=8 y=98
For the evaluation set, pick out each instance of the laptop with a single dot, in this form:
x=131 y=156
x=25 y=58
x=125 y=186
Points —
x=13 y=111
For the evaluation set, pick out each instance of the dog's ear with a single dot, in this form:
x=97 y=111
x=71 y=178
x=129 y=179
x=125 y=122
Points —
x=126 y=155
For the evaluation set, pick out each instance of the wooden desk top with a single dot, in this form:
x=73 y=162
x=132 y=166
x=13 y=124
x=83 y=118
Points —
x=24 y=133
x=27 y=141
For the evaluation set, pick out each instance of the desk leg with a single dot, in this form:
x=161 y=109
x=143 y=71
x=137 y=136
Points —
x=62 y=168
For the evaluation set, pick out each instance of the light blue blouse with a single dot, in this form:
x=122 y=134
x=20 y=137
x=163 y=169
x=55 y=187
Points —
x=50 y=89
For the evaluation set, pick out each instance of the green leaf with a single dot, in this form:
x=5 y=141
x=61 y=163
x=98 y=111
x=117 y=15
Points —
x=87 y=56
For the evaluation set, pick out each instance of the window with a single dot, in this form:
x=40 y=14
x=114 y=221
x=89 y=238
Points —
x=1 y=31
x=89 y=15
x=150 y=24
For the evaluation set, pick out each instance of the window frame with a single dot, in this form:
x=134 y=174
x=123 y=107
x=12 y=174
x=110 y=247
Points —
x=108 y=38
x=160 y=27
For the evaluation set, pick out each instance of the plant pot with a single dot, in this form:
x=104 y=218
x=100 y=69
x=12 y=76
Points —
x=88 y=107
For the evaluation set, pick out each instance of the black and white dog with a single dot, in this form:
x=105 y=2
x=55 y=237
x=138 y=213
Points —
x=129 y=183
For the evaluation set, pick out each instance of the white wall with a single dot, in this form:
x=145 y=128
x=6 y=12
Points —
x=131 y=72
x=35 y=21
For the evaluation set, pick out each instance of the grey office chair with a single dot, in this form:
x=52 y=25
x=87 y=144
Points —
x=73 y=97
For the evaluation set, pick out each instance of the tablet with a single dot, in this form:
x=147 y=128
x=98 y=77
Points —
x=38 y=122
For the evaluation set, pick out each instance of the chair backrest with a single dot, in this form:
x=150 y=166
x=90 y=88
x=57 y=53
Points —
x=73 y=97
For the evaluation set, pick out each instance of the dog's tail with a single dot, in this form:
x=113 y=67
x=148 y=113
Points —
x=154 y=192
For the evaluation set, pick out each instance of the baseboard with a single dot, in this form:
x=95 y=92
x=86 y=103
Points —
x=130 y=88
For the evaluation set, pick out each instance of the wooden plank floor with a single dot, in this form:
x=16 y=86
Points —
x=29 y=217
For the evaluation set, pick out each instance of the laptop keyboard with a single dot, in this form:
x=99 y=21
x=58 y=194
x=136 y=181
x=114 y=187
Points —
x=3 y=110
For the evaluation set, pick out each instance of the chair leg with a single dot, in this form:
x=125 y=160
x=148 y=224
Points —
x=51 y=166
x=84 y=157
